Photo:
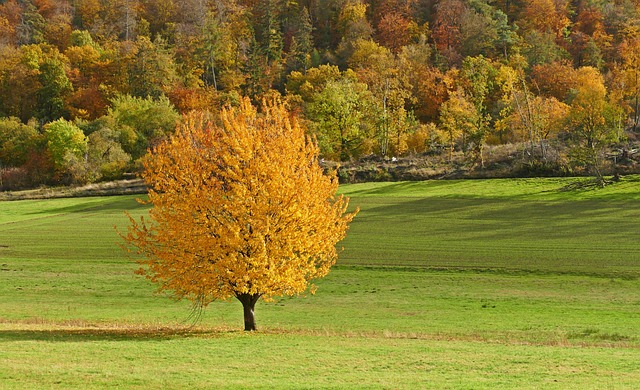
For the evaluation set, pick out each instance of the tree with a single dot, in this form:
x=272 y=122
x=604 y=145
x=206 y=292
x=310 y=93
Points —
x=33 y=82
x=478 y=30
x=459 y=118
x=556 y=79
x=339 y=115
x=152 y=71
x=395 y=31
x=630 y=53
x=301 y=47
x=241 y=209
x=376 y=66
x=105 y=158
x=31 y=28
x=67 y=145
x=546 y=16
x=141 y=123
x=10 y=19
x=541 y=48
x=352 y=26
x=592 y=119
x=16 y=141
x=447 y=26
x=426 y=82
x=478 y=80
x=269 y=29
x=55 y=86
x=89 y=72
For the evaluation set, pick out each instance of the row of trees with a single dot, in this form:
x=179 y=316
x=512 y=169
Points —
x=388 y=77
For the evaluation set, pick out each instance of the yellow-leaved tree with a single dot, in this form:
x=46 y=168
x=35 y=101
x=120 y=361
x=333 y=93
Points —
x=239 y=209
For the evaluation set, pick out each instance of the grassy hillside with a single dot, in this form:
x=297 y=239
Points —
x=469 y=284
x=538 y=225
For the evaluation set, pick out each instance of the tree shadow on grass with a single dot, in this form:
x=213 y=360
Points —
x=108 y=204
x=109 y=334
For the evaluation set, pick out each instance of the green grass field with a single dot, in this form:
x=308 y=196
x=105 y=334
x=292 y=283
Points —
x=449 y=284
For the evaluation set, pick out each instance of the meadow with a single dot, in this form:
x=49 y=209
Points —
x=527 y=283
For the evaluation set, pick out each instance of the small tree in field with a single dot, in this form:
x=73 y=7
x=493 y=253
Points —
x=241 y=209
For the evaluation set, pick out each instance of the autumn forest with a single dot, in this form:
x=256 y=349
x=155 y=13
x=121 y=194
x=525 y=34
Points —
x=88 y=86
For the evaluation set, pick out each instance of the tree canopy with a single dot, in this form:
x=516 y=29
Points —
x=240 y=208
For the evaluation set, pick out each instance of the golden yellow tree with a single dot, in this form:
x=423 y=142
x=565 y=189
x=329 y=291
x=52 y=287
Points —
x=240 y=209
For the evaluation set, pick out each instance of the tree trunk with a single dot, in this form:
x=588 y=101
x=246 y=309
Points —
x=248 y=304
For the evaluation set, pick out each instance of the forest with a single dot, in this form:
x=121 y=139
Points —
x=88 y=86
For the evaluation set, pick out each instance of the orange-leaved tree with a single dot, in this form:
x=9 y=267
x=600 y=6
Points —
x=239 y=209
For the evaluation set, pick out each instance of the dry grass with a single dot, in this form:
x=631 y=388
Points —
x=118 y=187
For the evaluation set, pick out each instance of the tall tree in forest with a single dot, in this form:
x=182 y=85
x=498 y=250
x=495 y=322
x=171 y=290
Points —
x=10 y=19
x=447 y=28
x=32 y=25
x=241 y=209
x=152 y=69
x=395 y=31
x=55 y=85
x=555 y=79
x=258 y=78
x=33 y=82
x=592 y=120
x=301 y=47
x=460 y=120
x=352 y=26
x=269 y=29
x=478 y=82
x=546 y=16
x=630 y=53
x=376 y=66
x=91 y=73
x=425 y=80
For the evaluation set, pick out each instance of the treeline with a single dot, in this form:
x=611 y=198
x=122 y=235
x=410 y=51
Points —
x=86 y=86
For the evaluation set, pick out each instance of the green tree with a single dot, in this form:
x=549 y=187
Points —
x=17 y=140
x=541 y=48
x=55 y=87
x=105 y=157
x=301 y=47
x=32 y=26
x=141 y=122
x=67 y=145
x=337 y=115
x=269 y=29
x=152 y=70
x=478 y=80
x=307 y=85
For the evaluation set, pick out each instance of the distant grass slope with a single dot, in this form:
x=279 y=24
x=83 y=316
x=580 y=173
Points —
x=542 y=189
x=531 y=225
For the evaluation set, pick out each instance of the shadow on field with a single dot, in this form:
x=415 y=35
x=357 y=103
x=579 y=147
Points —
x=498 y=219
x=112 y=204
x=107 y=334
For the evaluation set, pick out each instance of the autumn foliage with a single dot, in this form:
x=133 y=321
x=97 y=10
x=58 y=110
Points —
x=241 y=209
x=371 y=79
